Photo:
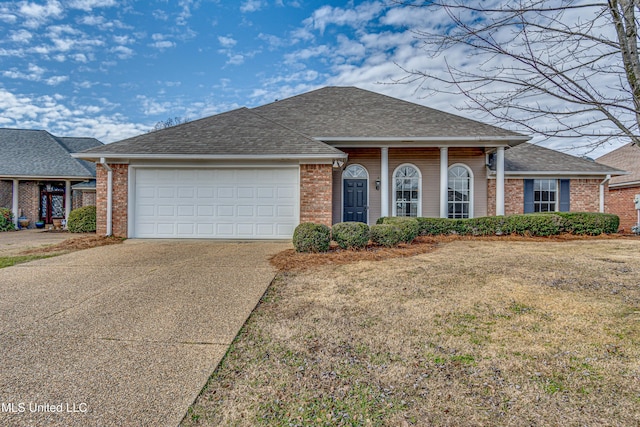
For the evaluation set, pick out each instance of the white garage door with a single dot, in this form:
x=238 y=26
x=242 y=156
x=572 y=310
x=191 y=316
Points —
x=216 y=203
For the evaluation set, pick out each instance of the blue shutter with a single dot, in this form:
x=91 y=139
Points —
x=565 y=195
x=528 y=196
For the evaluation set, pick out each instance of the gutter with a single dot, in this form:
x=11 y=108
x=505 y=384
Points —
x=602 y=184
x=109 y=194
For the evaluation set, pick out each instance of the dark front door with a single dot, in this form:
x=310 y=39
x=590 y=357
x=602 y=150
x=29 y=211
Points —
x=355 y=200
x=51 y=203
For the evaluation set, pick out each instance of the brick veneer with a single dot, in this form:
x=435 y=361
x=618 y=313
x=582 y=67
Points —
x=120 y=200
x=316 y=193
x=621 y=203
x=6 y=194
x=585 y=196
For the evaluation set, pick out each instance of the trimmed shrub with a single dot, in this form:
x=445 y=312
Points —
x=486 y=226
x=409 y=226
x=351 y=235
x=590 y=223
x=534 y=224
x=386 y=234
x=6 y=220
x=310 y=237
x=436 y=226
x=82 y=220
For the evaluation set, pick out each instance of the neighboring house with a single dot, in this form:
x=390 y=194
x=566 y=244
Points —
x=334 y=154
x=38 y=177
x=623 y=189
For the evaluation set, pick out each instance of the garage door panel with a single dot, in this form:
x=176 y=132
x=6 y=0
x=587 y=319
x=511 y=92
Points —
x=223 y=203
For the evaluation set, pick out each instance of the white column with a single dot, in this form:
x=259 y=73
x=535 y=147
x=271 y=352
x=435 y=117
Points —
x=67 y=199
x=444 y=182
x=14 y=203
x=384 y=181
x=500 y=181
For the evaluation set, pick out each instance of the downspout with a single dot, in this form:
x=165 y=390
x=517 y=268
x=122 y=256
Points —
x=109 y=194
x=602 y=184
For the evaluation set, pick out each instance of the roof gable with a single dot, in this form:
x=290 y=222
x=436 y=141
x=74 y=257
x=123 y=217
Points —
x=37 y=153
x=627 y=158
x=240 y=132
x=350 y=112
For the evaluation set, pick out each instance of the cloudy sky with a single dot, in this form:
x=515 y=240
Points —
x=111 y=69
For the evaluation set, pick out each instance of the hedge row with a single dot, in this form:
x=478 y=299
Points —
x=542 y=224
x=82 y=220
x=310 y=237
x=390 y=231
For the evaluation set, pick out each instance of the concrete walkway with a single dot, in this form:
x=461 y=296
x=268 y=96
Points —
x=124 y=334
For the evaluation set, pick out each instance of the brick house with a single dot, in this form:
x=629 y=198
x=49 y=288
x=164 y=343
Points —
x=624 y=188
x=331 y=155
x=39 y=179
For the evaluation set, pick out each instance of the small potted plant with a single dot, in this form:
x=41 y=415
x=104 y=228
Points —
x=40 y=224
x=23 y=221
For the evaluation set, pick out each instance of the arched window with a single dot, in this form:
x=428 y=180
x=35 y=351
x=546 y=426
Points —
x=407 y=191
x=355 y=171
x=460 y=192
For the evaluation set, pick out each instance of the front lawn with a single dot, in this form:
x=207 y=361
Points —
x=475 y=332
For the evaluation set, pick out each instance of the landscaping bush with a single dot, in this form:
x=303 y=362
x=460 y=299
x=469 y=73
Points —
x=351 y=235
x=533 y=224
x=486 y=226
x=82 y=220
x=590 y=223
x=409 y=226
x=310 y=237
x=6 y=220
x=386 y=234
x=437 y=226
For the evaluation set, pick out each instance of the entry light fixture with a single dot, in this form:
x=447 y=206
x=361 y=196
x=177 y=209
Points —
x=338 y=164
x=378 y=184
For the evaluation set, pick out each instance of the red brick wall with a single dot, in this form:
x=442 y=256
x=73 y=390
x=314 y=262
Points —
x=513 y=196
x=585 y=196
x=120 y=200
x=6 y=194
x=29 y=201
x=315 y=193
x=621 y=203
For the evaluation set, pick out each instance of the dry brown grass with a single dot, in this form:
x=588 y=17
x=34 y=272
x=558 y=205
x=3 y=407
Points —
x=74 y=244
x=479 y=332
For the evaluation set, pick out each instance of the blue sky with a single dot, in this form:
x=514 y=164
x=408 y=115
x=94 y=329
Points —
x=111 y=69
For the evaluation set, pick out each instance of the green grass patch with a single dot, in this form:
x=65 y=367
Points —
x=8 y=261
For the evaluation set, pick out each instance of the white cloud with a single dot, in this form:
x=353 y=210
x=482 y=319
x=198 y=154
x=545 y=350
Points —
x=123 y=52
x=35 y=14
x=227 y=41
x=126 y=39
x=354 y=17
x=56 y=80
x=164 y=44
x=236 y=59
x=20 y=36
x=252 y=6
x=88 y=5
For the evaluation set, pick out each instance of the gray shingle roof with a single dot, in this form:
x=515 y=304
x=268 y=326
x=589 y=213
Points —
x=240 y=132
x=351 y=112
x=37 y=153
x=533 y=158
x=627 y=158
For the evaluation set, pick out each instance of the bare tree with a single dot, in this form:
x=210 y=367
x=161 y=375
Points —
x=170 y=122
x=558 y=68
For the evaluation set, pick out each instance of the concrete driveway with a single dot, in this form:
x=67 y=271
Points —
x=124 y=334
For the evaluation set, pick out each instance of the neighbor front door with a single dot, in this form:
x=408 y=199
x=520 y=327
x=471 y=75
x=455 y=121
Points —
x=355 y=200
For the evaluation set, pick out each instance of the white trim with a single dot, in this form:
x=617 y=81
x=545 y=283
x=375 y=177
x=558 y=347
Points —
x=492 y=173
x=384 y=181
x=444 y=184
x=471 y=187
x=624 y=184
x=67 y=200
x=15 y=200
x=500 y=181
x=410 y=139
x=368 y=189
x=602 y=184
x=175 y=157
x=393 y=178
x=47 y=178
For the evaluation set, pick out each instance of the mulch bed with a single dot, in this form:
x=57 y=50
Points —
x=75 y=244
x=290 y=260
